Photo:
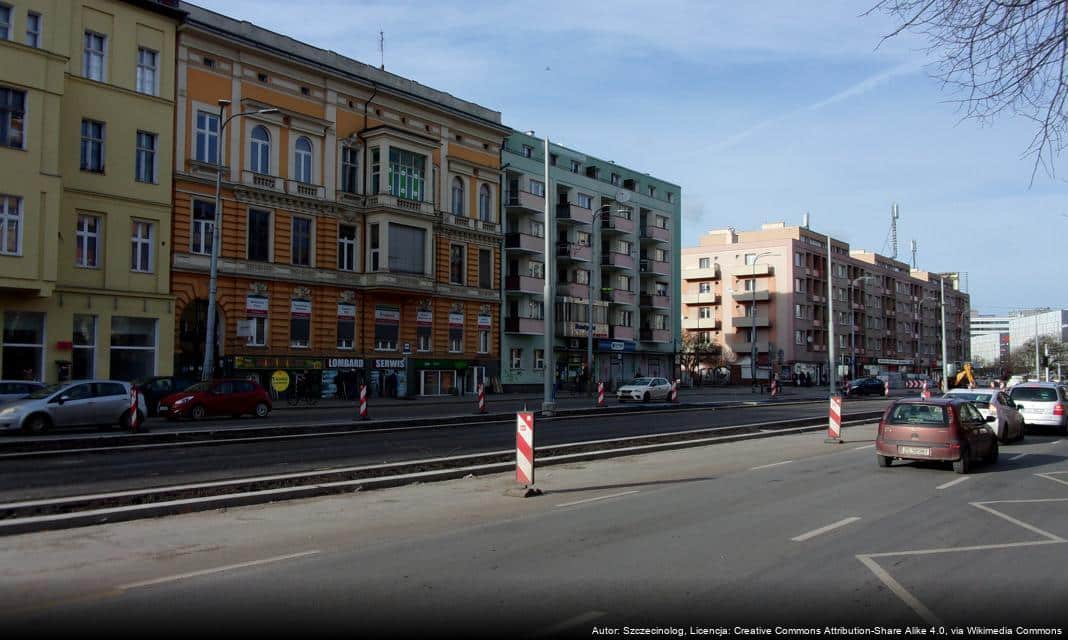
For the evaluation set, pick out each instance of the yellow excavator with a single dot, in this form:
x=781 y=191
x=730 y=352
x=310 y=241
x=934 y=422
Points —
x=964 y=378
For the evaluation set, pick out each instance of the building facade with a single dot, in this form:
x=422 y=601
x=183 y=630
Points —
x=360 y=236
x=771 y=285
x=86 y=135
x=985 y=324
x=615 y=228
x=1047 y=324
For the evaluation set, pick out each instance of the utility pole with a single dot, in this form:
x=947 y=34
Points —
x=945 y=361
x=830 y=320
x=548 y=405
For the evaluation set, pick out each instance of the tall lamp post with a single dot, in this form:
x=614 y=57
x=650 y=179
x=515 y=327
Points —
x=548 y=404
x=213 y=282
x=752 y=318
x=595 y=277
x=853 y=327
x=945 y=360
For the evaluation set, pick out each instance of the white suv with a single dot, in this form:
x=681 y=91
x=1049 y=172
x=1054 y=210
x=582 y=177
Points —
x=1043 y=404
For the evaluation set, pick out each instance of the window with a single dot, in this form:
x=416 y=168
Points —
x=23 y=351
x=5 y=26
x=346 y=331
x=145 y=167
x=798 y=261
x=299 y=323
x=207 y=144
x=585 y=201
x=260 y=150
x=623 y=318
x=483 y=341
x=537 y=187
x=457 y=196
x=10 y=225
x=620 y=246
x=259 y=235
x=133 y=348
x=484 y=202
x=539 y=359
x=623 y=282
x=147 y=63
x=350 y=169
x=424 y=329
x=259 y=332
x=515 y=358
x=456 y=332
x=375 y=170
x=799 y=311
x=303 y=165
x=86 y=241
x=387 y=327
x=92 y=146
x=750 y=258
x=301 y=241
x=670 y=197
x=552 y=159
x=485 y=268
x=615 y=179
x=407 y=249
x=374 y=246
x=528 y=151
x=83 y=354
x=574 y=166
x=456 y=264
x=749 y=284
x=799 y=337
x=536 y=269
x=652 y=191
x=799 y=285
x=407 y=173
x=203 y=226
x=12 y=118
x=33 y=29
x=704 y=313
x=93 y=56
x=141 y=248
x=346 y=247
x=702 y=263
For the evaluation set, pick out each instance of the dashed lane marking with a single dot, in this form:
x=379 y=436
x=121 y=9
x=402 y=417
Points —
x=773 y=464
x=822 y=530
x=613 y=495
x=952 y=482
x=205 y=572
x=867 y=446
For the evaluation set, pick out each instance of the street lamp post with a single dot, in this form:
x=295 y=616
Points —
x=752 y=319
x=595 y=277
x=945 y=360
x=853 y=327
x=213 y=281
x=548 y=404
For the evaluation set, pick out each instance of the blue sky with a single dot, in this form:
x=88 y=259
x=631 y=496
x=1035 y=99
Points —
x=761 y=111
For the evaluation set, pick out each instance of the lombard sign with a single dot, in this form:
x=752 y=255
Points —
x=344 y=363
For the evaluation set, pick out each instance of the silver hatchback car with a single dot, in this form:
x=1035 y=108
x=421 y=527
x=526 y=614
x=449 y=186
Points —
x=71 y=404
x=1043 y=404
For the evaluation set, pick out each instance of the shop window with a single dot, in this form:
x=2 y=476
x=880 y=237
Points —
x=300 y=323
x=133 y=348
x=83 y=355
x=23 y=346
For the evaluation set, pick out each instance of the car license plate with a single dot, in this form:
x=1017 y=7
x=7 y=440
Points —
x=914 y=451
x=163 y=407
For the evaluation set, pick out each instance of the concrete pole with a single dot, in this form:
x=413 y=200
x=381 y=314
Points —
x=752 y=326
x=1038 y=361
x=830 y=320
x=945 y=360
x=852 y=336
x=548 y=405
x=213 y=278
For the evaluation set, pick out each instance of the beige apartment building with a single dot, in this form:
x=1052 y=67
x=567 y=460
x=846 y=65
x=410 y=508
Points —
x=86 y=131
x=772 y=283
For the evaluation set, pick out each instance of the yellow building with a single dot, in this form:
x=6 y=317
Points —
x=86 y=146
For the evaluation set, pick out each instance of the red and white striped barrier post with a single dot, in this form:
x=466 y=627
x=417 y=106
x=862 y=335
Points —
x=482 y=398
x=886 y=388
x=774 y=387
x=925 y=394
x=600 y=394
x=674 y=396
x=524 y=452
x=363 y=402
x=834 y=426
x=133 y=408
x=992 y=384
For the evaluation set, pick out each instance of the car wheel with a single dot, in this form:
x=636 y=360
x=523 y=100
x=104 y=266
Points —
x=1063 y=430
x=37 y=424
x=262 y=410
x=992 y=457
x=964 y=465
x=884 y=461
x=198 y=412
x=645 y=398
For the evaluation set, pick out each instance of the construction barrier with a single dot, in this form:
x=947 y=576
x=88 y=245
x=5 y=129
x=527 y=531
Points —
x=482 y=398
x=674 y=396
x=524 y=448
x=886 y=388
x=363 y=402
x=600 y=394
x=133 y=408
x=834 y=425
x=925 y=393
x=774 y=388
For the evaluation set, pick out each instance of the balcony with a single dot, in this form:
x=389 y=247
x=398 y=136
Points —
x=524 y=284
x=614 y=260
x=618 y=224
x=393 y=203
x=526 y=201
x=397 y=280
x=655 y=301
x=524 y=243
x=617 y=296
x=350 y=198
x=305 y=190
x=750 y=321
x=621 y=333
x=469 y=223
x=573 y=290
x=655 y=335
x=656 y=234
x=525 y=326
x=573 y=213
x=701 y=298
x=760 y=295
x=750 y=270
x=709 y=273
x=573 y=251
x=655 y=268
x=261 y=181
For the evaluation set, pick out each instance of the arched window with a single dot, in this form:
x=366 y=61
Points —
x=303 y=165
x=484 y=213
x=261 y=150
x=457 y=196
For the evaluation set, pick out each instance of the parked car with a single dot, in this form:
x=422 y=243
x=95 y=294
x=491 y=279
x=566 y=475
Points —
x=1008 y=423
x=217 y=398
x=1042 y=404
x=72 y=404
x=156 y=388
x=942 y=429
x=865 y=387
x=644 y=389
x=17 y=389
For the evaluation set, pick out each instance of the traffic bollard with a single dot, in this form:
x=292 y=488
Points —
x=482 y=398
x=600 y=394
x=363 y=402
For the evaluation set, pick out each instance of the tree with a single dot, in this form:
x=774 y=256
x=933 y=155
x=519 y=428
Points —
x=999 y=55
x=695 y=352
x=1022 y=358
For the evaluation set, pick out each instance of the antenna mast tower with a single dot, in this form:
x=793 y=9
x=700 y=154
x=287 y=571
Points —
x=893 y=231
x=382 y=49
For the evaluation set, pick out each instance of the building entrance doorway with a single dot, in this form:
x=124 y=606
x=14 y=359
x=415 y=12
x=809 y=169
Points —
x=192 y=338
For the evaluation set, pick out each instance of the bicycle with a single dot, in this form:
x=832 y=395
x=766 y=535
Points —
x=301 y=390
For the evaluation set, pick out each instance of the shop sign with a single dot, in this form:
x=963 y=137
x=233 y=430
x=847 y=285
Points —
x=618 y=346
x=267 y=362
x=300 y=308
x=279 y=381
x=484 y=321
x=424 y=318
x=346 y=310
x=387 y=316
x=407 y=347
x=892 y=361
x=344 y=363
x=256 y=306
x=389 y=363
x=439 y=364
x=456 y=320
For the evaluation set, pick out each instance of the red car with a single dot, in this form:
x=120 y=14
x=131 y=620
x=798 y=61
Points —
x=217 y=398
x=942 y=429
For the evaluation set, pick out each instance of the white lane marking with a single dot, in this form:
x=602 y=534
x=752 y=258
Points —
x=768 y=466
x=575 y=621
x=822 y=530
x=614 y=495
x=867 y=446
x=952 y=482
x=900 y=591
x=1046 y=534
x=977 y=547
x=1017 y=456
x=1049 y=476
x=205 y=572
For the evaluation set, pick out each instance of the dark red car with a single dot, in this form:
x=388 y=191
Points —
x=217 y=398
x=942 y=429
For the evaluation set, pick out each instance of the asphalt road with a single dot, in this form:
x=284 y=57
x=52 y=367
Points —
x=784 y=531
x=100 y=471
